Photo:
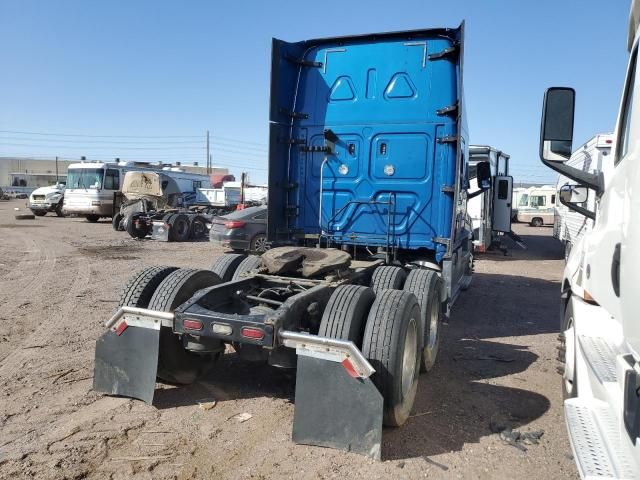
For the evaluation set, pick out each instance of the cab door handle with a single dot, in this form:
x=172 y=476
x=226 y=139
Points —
x=615 y=270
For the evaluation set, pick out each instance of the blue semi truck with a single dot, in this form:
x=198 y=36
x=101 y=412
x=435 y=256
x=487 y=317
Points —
x=368 y=188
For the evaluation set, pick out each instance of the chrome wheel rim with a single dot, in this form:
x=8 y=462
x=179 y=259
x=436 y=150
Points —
x=409 y=357
x=261 y=244
x=434 y=331
x=569 y=357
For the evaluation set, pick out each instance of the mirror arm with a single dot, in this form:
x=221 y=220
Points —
x=476 y=193
x=581 y=210
x=594 y=181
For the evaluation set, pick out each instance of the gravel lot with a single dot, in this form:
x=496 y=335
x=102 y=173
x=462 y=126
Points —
x=60 y=279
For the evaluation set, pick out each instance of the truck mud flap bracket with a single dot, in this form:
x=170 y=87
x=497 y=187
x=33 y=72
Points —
x=336 y=403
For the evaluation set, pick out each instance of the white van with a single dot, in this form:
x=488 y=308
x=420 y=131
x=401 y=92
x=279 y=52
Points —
x=537 y=206
x=594 y=156
x=91 y=186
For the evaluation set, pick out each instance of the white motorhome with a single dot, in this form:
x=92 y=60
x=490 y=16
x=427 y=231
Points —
x=91 y=186
x=599 y=348
x=536 y=206
x=594 y=156
x=480 y=208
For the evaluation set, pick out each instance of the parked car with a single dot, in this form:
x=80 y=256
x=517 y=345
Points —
x=241 y=230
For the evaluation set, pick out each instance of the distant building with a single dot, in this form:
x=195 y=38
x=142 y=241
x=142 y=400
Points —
x=30 y=173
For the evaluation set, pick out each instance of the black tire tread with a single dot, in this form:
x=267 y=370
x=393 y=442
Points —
x=421 y=283
x=387 y=277
x=252 y=262
x=380 y=330
x=140 y=288
x=226 y=264
x=340 y=310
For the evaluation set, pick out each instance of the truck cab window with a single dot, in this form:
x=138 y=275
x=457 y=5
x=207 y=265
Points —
x=627 y=115
x=112 y=180
x=538 y=201
x=524 y=200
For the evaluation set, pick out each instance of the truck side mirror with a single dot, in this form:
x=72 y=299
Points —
x=483 y=170
x=556 y=135
x=572 y=195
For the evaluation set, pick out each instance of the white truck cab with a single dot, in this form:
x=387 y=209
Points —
x=600 y=331
x=47 y=199
x=593 y=156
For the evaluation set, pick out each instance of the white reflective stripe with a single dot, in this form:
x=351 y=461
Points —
x=139 y=321
x=166 y=318
x=326 y=348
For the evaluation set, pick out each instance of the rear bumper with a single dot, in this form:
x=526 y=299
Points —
x=340 y=351
x=101 y=210
x=229 y=242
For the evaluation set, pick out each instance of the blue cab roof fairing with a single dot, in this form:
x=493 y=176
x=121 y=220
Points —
x=392 y=105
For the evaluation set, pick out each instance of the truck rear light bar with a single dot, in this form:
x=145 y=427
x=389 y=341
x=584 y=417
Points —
x=341 y=351
x=252 y=333
x=222 y=329
x=192 y=324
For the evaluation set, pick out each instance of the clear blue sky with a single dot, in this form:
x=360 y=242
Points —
x=159 y=68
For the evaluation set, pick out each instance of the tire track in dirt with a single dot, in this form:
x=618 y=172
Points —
x=47 y=327
x=38 y=260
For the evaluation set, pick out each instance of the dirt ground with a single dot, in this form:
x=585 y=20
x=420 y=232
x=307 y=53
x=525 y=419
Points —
x=60 y=279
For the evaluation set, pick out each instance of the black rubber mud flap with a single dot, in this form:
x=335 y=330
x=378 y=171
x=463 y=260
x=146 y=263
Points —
x=127 y=364
x=334 y=409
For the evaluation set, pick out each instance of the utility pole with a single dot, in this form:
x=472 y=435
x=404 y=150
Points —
x=57 y=181
x=208 y=157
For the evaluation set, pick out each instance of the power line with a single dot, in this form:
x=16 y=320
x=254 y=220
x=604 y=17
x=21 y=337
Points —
x=115 y=142
x=99 y=136
x=99 y=146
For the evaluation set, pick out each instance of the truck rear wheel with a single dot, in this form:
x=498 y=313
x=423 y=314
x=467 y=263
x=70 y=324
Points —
x=136 y=229
x=198 y=228
x=391 y=342
x=346 y=313
x=92 y=218
x=141 y=287
x=175 y=364
x=536 y=222
x=426 y=285
x=387 y=278
x=116 y=222
x=179 y=230
x=252 y=262
x=59 y=211
x=567 y=354
x=226 y=264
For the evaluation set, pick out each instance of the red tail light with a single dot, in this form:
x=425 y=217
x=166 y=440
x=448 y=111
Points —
x=192 y=324
x=254 y=333
x=234 y=224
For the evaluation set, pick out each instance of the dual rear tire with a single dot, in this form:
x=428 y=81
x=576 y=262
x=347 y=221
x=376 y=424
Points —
x=387 y=328
x=164 y=289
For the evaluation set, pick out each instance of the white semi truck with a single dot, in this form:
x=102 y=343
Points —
x=47 y=199
x=599 y=349
x=593 y=156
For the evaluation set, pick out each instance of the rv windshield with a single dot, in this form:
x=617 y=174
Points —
x=524 y=200
x=85 y=178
